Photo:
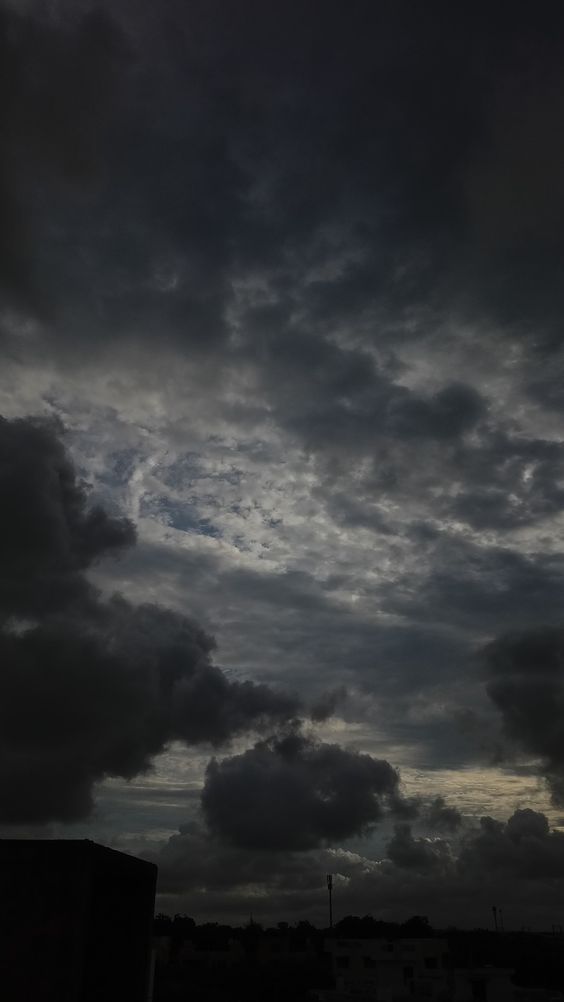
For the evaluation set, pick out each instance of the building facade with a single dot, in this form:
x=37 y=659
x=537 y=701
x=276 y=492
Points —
x=76 y=922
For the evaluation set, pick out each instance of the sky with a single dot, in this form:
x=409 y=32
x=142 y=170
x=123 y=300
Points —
x=282 y=450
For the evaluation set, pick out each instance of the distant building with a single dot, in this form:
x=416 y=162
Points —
x=387 y=970
x=190 y=956
x=75 y=922
x=410 y=970
x=485 y=984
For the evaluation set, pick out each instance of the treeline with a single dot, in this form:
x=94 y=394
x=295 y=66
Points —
x=215 y=934
x=535 y=958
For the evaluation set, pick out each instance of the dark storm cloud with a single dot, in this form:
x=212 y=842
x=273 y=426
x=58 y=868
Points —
x=523 y=848
x=525 y=673
x=295 y=793
x=394 y=670
x=91 y=688
x=59 y=82
x=111 y=230
x=353 y=413
x=495 y=480
x=300 y=198
x=481 y=588
x=229 y=143
x=414 y=853
x=443 y=817
x=50 y=533
x=448 y=414
x=194 y=859
x=291 y=198
x=338 y=399
x=445 y=449
x=518 y=863
x=327 y=704
x=99 y=694
x=509 y=480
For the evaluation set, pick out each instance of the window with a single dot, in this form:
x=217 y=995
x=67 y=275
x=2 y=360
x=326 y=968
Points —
x=479 y=990
x=343 y=962
x=408 y=973
x=369 y=962
x=431 y=963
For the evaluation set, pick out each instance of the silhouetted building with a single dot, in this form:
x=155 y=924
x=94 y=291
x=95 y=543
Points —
x=76 y=922
x=410 y=970
x=485 y=984
x=387 y=970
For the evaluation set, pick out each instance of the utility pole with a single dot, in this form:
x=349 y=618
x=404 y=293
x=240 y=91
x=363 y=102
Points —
x=330 y=889
x=494 y=910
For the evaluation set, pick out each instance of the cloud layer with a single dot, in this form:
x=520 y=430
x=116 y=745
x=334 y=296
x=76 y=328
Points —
x=292 y=282
x=517 y=864
x=91 y=687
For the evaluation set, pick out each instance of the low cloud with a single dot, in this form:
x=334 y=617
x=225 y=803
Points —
x=295 y=793
x=525 y=681
x=50 y=533
x=416 y=853
x=524 y=848
x=327 y=704
x=91 y=687
x=518 y=864
x=443 y=817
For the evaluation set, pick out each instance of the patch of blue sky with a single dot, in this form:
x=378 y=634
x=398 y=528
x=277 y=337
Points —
x=242 y=544
x=119 y=467
x=182 y=471
x=175 y=476
x=185 y=516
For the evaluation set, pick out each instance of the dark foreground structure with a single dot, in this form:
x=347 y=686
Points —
x=75 y=922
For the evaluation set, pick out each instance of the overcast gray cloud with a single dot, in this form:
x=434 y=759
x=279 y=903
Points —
x=291 y=281
x=216 y=144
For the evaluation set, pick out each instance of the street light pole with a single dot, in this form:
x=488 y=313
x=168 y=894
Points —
x=330 y=889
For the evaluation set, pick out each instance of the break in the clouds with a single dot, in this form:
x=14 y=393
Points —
x=291 y=279
x=91 y=687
